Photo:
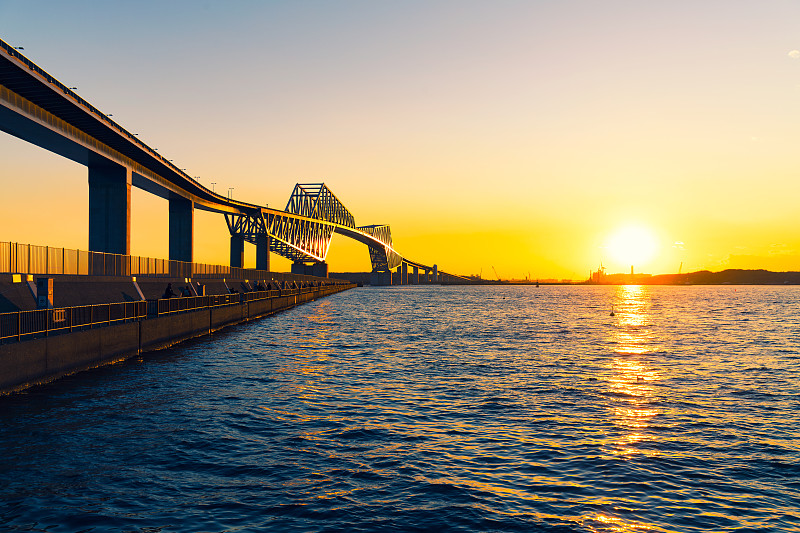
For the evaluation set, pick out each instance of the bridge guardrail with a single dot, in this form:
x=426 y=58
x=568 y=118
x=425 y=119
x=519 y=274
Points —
x=41 y=322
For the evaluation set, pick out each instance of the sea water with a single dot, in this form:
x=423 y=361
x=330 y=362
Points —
x=490 y=408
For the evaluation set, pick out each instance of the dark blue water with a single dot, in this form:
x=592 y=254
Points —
x=435 y=408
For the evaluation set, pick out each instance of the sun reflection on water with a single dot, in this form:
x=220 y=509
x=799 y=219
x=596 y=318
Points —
x=610 y=524
x=631 y=380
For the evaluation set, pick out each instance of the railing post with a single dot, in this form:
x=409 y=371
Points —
x=19 y=326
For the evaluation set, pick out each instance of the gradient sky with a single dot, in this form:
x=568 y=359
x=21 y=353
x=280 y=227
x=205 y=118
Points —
x=520 y=135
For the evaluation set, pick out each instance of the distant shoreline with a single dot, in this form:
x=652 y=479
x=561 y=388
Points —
x=701 y=277
x=732 y=276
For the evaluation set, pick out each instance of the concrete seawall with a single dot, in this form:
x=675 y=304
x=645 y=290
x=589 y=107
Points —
x=31 y=362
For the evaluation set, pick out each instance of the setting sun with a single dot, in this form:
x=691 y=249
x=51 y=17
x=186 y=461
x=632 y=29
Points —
x=632 y=245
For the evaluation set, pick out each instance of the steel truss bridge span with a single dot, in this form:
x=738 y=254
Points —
x=36 y=107
x=303 y=232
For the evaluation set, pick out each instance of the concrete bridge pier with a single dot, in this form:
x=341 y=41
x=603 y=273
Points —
x=399 y=277
x=435 y=274
x=109 y=208
x=377 y=279
x=319 y=269
x=415 y=276
x=181 y=229
x=237 y=251
x=262 y=252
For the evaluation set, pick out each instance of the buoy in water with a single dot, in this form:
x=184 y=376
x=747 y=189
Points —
x=612 y=311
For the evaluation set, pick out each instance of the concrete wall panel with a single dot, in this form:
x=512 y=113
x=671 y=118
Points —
x=118 y=342
x=74 y=351
x=227 y=314
x=260 y=307
x=167 y=330
x=22 y=362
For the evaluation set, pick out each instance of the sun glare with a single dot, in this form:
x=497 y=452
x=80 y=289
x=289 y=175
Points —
x=632 y=246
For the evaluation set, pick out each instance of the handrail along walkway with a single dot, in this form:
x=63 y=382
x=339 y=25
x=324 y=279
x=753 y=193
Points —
x=17 y=326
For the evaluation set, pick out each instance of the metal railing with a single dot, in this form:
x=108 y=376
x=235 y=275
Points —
x=24 y=325
x=21 y=325
x=190 y=303
x=20 y=258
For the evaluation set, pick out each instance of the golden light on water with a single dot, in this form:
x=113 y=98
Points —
x=631 y=390
x=631 y=379
x=617 y=525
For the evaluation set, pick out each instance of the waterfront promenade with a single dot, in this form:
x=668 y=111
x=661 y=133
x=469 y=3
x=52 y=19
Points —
x=62 y=311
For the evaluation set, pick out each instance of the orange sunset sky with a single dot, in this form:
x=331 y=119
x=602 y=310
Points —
x=520 y=135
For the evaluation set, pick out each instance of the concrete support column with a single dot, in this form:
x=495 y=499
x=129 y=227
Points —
x=262 y=251
x=320 y=270
x=403 y=273
x=380 y=278
x=109 y=208
x=181 y=229
x=415 y=276
x=237 y=251
x=435 y=274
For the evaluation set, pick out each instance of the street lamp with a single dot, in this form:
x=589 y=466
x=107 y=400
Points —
x=230 y=193
x=212 y=185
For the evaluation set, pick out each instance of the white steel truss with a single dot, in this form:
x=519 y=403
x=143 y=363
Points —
x=304 y=231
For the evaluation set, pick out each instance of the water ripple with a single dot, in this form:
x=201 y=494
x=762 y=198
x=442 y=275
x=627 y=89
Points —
x=432 y=408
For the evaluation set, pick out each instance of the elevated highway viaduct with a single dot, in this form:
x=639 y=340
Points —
x=39 y=109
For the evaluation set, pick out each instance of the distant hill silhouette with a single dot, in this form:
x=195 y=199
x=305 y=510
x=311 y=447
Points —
x=727 y=277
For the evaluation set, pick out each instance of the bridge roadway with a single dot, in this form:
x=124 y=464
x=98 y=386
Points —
x=37 y=108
